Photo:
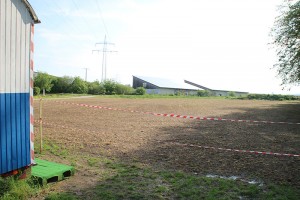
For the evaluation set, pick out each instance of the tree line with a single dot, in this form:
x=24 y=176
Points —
x=44 y=82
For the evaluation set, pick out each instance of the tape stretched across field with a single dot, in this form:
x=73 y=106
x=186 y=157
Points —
x=179 y=116
x=189 y=145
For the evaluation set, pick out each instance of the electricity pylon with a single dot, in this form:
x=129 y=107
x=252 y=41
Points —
x=104 y=51
x=86 y=69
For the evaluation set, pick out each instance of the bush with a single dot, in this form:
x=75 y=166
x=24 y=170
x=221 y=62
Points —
x=79 y=86
x=203 y=93
x=272 y=97
x=109 y=86
x=140 y=91
x=231 y=94
x=62 y=84
x=36 y=91
x=44 y=81
x=96 y=88
x=124 y=89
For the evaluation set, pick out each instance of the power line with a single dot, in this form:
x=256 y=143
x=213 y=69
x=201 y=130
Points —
x=102 y=18
x=66 y=20
x=84 y=19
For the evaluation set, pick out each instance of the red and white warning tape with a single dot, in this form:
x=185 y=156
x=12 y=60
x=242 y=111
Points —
x=190 y=145
x=31 y=94
x=179 y=116
x=237 y=150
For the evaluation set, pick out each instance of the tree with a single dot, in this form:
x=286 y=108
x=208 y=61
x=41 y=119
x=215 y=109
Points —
x=110 y=86
x=286 y=39
x=96 y=88
x=43 y=81
x=79 y=86
x=62 y=84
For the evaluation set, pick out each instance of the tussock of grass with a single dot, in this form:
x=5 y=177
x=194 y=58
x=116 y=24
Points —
x=11 y=188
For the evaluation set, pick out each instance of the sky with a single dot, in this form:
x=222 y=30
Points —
x=220 y=44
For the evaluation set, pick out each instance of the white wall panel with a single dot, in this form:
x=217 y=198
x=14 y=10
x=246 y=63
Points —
x=2 y=45
x=15 y=23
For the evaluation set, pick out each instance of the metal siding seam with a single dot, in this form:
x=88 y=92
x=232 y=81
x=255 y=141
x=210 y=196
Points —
x=26 y=153
x=23 y=130
x=14 y=156
x=2 y=11
x=8 y=132
x=2 y=134
x=18 y=127
x=7 y=39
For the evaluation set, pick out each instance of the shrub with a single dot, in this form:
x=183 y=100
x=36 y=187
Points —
x=109 y=86
x=36 y=91
x=231 y=94
x=96 y=88
x=203 y=93
x=79 y=86
x=62 y=84
x=274 y=97
x=124 y=89
x=140 y=91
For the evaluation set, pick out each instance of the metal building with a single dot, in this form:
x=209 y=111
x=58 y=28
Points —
x=17 y=19
x=163 y=86
x=216 y=92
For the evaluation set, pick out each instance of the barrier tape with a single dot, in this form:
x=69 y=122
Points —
x=179 y=116
x=237 y=150
x=193 y=145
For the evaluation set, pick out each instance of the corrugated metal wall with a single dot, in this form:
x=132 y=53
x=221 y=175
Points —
x=15 y=30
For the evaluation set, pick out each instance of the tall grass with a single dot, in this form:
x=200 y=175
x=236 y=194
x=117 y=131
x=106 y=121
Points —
x=12 y=188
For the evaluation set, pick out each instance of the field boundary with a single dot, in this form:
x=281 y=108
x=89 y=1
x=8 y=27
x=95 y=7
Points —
x=178 y=116
x=189 y=145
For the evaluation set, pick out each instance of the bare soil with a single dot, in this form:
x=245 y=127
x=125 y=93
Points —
x=148 y=139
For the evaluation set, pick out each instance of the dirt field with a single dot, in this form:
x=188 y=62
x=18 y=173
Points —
x=153 y=140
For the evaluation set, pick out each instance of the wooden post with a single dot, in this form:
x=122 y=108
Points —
x=41 y=126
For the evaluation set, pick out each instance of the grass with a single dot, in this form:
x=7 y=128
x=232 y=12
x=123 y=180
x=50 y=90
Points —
x=64 y=95
x=11 y=188
x=61 y=196
x=119 y=180
x=53 y=148
x=139 y=182
x=158 y=96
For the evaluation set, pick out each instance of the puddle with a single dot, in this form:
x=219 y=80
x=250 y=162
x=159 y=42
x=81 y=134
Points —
x=259 y=183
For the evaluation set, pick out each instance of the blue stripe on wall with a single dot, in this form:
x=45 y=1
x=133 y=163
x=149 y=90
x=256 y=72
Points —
x=14 y=131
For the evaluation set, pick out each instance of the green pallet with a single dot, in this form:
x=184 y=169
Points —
x=48 y=172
